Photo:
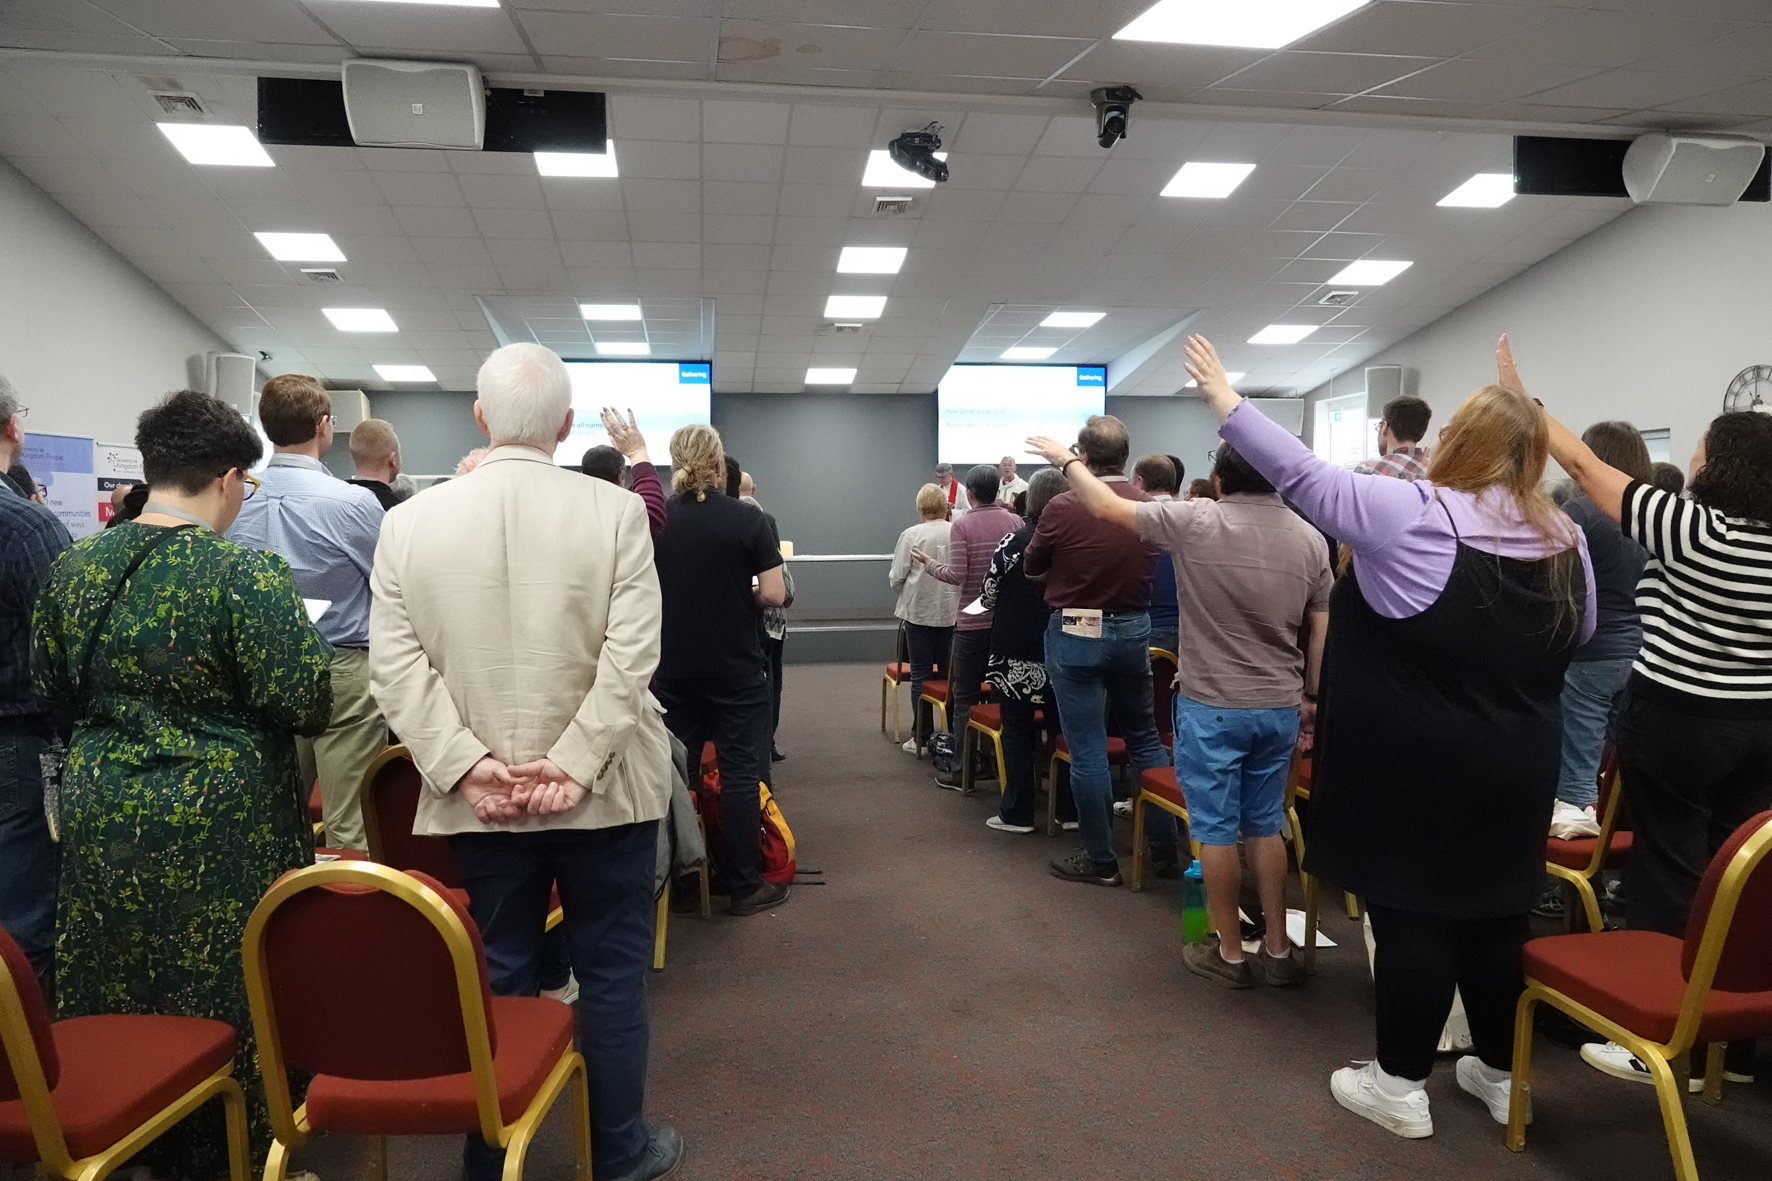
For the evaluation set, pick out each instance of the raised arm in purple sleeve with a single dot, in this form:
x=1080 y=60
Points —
x=647 y=488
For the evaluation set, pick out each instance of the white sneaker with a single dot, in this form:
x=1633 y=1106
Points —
x=1493 y=1087
x=1002 y=825
x=1070 y=825
x=1615 y=1060
x=1357 y=1089
x=1122 y=807
x=910 y=747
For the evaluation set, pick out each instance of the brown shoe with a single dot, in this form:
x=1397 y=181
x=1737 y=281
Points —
x=1202 y=959
x=1281 y=971
x=765 y=896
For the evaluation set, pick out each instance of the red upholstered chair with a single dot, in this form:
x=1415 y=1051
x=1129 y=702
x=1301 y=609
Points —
x=986 y=718
x=935 y=695
x=1163 y=668
x=898 y=672
x=1657 y=995
x=374 y=981
x=317 y=810
x=1061 y=752
x=1579 y=861
x=84 y=1095
x=1156 y=788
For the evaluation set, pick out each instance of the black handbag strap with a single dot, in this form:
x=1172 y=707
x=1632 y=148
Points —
x=104 y=616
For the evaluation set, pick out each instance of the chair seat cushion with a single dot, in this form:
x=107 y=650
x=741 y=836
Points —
x=936 y=691
x=328 y=853
x=1633 y=978
x=533 y=1032
x=1116 y=749
x=1575 y=854
x=986 y=715
x=1160 y=782
x=316 y=809
x=118 y=1072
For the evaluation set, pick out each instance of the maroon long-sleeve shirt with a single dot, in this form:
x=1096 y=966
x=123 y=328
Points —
x=971 y=543
x=1088 y=562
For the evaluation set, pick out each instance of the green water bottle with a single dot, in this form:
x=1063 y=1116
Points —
x=1193 y=904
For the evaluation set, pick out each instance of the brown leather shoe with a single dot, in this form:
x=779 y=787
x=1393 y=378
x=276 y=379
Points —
x=1202 y=959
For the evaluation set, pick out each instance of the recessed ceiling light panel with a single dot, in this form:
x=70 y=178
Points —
x=215 y=143
x=1199 y=179
x=1283 y=333
x=1071 y=319
x=855 y=307
x=1252 y=24
x=1233 y=378
x=1370 y=272
x=301 y=247
x=882 y=173
x=1027 y=353
x=610 y=311
x=1485 y=190
x=405 y=373
x=830 y=376
x=361 y=319
x=578 y=163
x=871 y=260
x=623 y=348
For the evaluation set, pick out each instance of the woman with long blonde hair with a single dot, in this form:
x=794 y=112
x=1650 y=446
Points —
x=1439 y=741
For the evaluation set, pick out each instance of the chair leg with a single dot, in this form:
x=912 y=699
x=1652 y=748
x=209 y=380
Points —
x=1521 y=1096
x=1670 y=1089
x=234 y=1113
x=1309 y=884
x=707 y=905
x=1713 y=1073
x=660 y=924
x=1353 y=906
x=277 y=1161
x=885 y=684
x=1137 y=882
x=378 y=1158
x=581 y=1123
x=1002 y=767
x=966 y=745
x=1590 y=903
x=895 y=725
x=1052 y=797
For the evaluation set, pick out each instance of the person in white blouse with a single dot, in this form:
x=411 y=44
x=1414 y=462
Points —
x=927 y=605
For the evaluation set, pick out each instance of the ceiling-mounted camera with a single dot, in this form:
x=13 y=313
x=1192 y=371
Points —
x=1113 y=110
x=914 y=151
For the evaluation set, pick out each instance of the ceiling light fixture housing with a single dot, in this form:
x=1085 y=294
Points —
x=855 y=307
x=1283 y=333
x=1370 y=272
x=301 y=247
x=1248 y=24
x=834 y=375
x=405 y=373
x=1072 y=319
x=1485 y=190
x=217 y=143
x=871 y=260
x=361 y=319
x=578 y=163
x=1213 y=181
x=611 y=311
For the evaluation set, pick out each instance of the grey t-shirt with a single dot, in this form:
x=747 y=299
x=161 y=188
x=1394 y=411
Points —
x=1248 y=570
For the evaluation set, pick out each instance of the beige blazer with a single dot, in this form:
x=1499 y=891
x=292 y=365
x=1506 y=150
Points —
x=516 y=613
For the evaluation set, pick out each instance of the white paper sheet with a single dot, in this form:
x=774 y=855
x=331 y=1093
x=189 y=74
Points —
x=316 y=608
x=975 y=607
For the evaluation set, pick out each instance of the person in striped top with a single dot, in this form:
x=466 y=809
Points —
x=1694 y=728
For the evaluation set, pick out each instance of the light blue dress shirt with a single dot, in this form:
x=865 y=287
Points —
x=326 y=529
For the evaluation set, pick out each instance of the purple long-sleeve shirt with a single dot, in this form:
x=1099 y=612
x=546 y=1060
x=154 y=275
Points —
x=648 y=489
x=971 y=543
x=1404 y=541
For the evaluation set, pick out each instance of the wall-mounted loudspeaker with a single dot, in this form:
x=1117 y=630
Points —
x=228 y=376
x=405 y=104
x=1691 y=169
x=349 y=409
x=1383 y=383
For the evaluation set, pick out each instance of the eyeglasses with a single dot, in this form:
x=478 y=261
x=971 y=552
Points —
x=252 y=486
x=21 y=412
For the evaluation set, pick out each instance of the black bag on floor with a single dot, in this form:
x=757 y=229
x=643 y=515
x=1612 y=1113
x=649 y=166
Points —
x=944 y=752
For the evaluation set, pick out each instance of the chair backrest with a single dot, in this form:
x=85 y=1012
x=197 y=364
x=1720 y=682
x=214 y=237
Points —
x=24 y=1021
x=1608 y=807
x=1163 y=669
x=359 y=968
x=1732 y=913
x=391 y=790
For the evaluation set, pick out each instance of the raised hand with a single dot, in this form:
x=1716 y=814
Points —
x=624 y=435
x=1051 y=450
x=491 y=789
x=1208 y=372
x=918 y=555
x=1507 y=373
x=554 y=790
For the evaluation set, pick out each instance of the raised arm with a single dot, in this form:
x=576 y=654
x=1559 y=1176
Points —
x=1096 y=496
x=1603 y=483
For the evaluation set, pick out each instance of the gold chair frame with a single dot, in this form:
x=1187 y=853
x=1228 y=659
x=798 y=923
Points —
x=45 y=1123
x=289 y=1124
x=1583 y=879
x=1668 y=1068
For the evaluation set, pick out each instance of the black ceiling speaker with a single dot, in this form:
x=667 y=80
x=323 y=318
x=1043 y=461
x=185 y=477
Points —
x=310 y=112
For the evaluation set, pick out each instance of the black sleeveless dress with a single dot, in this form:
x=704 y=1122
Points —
x=1440 y=742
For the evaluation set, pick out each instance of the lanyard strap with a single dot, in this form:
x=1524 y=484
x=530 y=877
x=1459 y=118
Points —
x=172 y=510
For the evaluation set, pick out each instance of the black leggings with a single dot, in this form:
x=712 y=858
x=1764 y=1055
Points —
x=1420 y=958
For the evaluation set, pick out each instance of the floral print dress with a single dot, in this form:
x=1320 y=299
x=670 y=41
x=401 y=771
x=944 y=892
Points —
x=180 y=803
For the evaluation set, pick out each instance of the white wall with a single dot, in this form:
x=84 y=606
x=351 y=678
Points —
x=1646 y=320
x=88 y=340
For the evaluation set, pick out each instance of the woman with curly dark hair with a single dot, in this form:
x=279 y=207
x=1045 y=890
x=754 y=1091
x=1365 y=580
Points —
x=1694 y=726
x=189 y=665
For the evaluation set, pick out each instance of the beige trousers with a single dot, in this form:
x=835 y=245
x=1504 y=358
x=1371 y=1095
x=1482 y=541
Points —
x=339 y=757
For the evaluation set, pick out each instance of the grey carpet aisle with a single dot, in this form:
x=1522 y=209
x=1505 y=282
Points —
x=944 y=1008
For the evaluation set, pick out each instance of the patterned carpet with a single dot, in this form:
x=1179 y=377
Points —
x=944 y=1008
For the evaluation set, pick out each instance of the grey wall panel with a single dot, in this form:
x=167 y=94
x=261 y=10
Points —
x=435 y=429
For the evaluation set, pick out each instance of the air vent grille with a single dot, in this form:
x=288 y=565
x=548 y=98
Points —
x=322 y=275
x=892 y=205
x=180 y=104
x=1338 y=299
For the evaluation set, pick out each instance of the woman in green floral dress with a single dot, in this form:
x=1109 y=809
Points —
x=180 y=803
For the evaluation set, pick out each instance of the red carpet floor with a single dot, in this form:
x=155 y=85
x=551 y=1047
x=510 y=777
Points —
x=943 y=1008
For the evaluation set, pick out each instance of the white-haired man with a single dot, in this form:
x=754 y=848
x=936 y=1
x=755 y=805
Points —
x=1009 y=484
x=514 y=631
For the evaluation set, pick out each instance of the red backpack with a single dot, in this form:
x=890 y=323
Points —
x=776 y=839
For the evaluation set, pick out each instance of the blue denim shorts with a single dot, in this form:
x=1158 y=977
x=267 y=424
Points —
x=1231 y=765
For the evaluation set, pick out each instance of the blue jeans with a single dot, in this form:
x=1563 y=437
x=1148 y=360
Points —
x=1231 y=765
x=1589 y=689
x=1089 y=677
x=606 y=878
x=30 y=862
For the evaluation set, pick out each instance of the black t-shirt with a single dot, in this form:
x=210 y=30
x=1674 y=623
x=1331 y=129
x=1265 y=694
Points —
x=706 y=556
x=382 y=492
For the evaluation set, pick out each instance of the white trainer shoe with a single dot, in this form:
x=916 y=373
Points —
x=910 y=747
x=1122 y=807
x=1356 y=1088
x=1615 y=1060
x=1475 y=1077
x=1002 y=825
x=1070 y=825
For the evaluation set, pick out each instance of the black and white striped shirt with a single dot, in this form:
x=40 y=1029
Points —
x=1705 y=600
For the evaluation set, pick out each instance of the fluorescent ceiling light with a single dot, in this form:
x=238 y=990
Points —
x=623 y=348
x=1207 y=180
x=405 y=373
x=1370 y=272
x=829 y=376
x=212 y=143
x=1283 y=333
x=1253 y=24
x=1024 y=353
x=882 y=173
x=1233 y=378
x=361 y=319
x=1071 y=319
x=448 y=3
x=1485 y=190
x=855 y=307
x=610 y=311
x=871 y=260
x=578 y=163
x=301 y=247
